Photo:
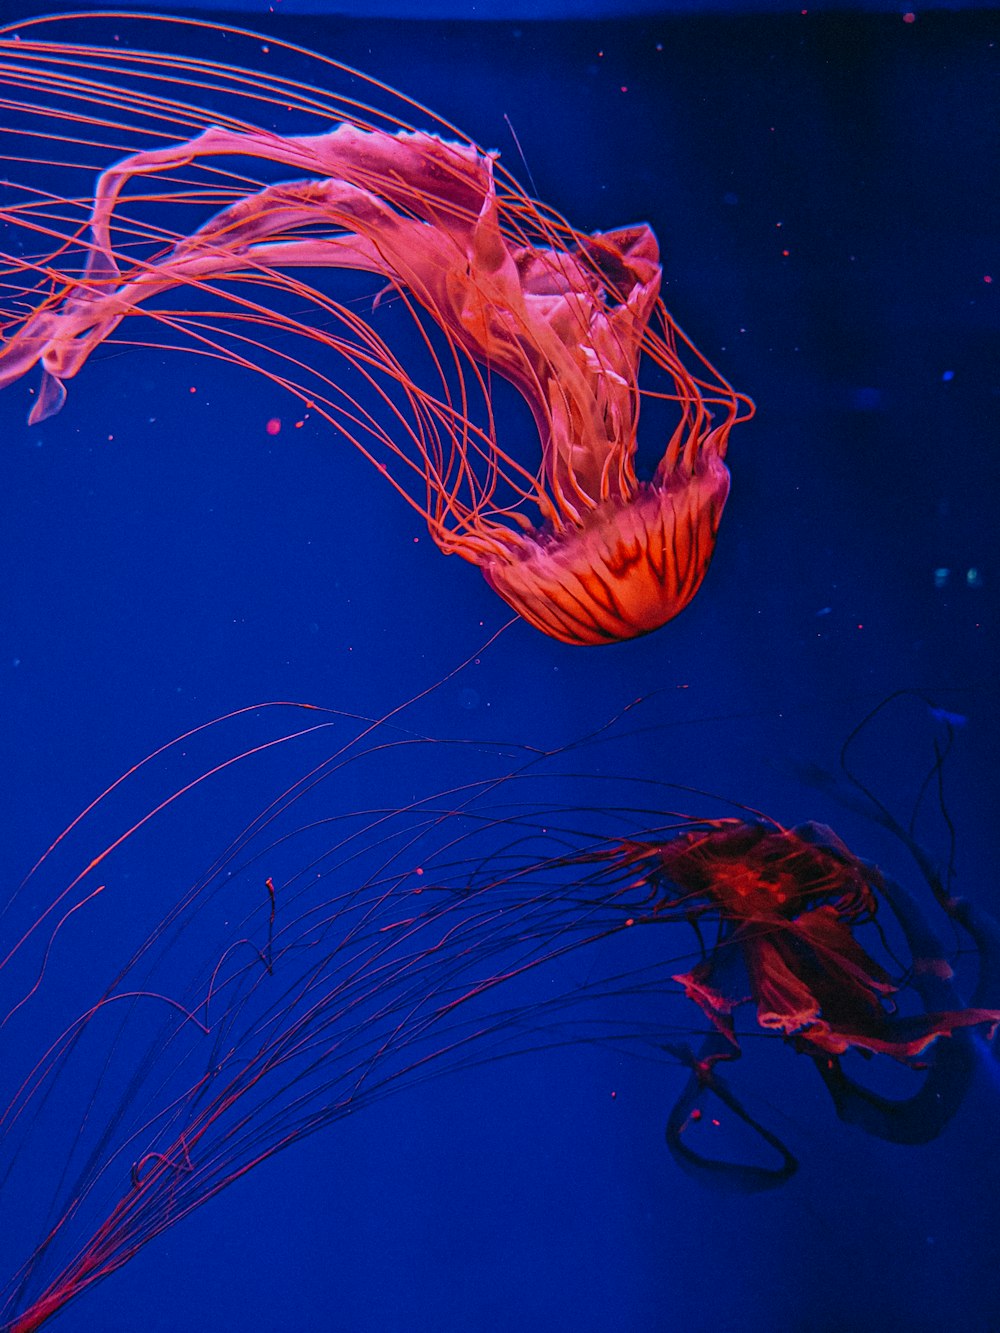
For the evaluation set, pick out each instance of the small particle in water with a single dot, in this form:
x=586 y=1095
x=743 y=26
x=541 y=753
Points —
x=824 y=611
x=273 y=425
x=973 y=578
x=941 y=577
x=469 y=698
x=948 y=376
x=909 y=18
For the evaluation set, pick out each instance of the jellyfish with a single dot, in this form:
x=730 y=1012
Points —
x=787 y=904
x=501 y=287
x=178 y=1020
x=789 y=901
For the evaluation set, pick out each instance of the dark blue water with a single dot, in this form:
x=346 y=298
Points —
x=820 y=184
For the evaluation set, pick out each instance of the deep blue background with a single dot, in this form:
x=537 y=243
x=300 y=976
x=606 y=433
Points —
x=166 y=561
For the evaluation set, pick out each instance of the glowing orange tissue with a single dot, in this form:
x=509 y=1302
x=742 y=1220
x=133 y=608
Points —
x=575 y=541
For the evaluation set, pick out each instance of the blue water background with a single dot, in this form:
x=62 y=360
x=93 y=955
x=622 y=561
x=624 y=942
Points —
x=820 y=185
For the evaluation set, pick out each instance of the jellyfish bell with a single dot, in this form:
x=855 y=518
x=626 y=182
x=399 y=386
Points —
x=571 y=537
x=628 y=568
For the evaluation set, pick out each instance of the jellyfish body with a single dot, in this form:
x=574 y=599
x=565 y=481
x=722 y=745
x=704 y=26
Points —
x=787 y=903
x=580 y=546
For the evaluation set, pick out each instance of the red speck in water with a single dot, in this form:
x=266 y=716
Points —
x=273 y=426
x=909 y=18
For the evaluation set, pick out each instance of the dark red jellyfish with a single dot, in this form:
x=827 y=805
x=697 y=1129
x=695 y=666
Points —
x=787 y=909
x=786 y=906
x=788 y=902
x=327 y=958
x=571 y=537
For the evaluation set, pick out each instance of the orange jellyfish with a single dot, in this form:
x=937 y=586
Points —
x=574 y=540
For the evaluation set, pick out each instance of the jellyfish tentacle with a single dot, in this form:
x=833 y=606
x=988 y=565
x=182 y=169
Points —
x=950 y=1065
x=688 y=1112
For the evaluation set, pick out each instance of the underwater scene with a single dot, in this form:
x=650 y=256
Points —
x=499 y=669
